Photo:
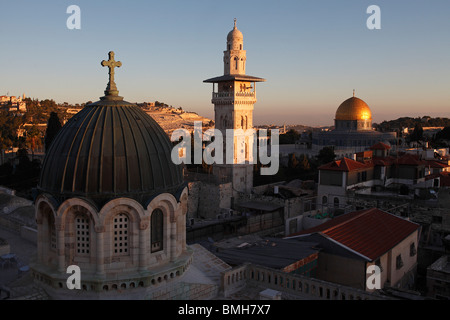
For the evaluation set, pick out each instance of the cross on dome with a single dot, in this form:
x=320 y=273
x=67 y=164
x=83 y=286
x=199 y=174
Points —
x=111 y=89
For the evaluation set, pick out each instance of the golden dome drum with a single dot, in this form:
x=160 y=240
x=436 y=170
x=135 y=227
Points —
x=353 y=109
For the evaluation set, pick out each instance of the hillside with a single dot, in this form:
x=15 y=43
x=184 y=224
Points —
x=171 y=119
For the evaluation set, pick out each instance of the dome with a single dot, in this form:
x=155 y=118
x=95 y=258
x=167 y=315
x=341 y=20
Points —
x=110 y=149
x=235 y=34
x=353 y=109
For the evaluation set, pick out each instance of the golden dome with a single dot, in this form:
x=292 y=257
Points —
x=353 y=109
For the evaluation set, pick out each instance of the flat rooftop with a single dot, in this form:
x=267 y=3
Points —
x=271 y=252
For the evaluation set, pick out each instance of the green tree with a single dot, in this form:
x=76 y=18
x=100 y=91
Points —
x=304 y=163
x=326 y=155
x=289 y=137
x=417 y=134
x=53 y=127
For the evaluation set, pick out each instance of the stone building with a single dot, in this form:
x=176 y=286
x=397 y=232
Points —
x=354 y=241
x=111 y=202
x=234 y=96
x=438 y=279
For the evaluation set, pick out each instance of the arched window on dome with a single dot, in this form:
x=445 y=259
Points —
x=157 y=230
x=82 y=235
x=121 y=235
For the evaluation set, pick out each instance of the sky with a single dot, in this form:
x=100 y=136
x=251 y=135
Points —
x=312 y=53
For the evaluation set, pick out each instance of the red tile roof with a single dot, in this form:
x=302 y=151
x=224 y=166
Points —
x=370 y=233
x=444 y=178
x=436 y=164
x=346 y=164
x=380 y=146
x=410 y=160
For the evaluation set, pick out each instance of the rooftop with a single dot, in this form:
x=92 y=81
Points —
x=370 y=233
x=269 y=252
x=234 y=77
x=346 y=165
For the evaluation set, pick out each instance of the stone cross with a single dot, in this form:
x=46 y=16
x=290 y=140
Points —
x=111 y=89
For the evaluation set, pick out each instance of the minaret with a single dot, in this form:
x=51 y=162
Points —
x=233 y=96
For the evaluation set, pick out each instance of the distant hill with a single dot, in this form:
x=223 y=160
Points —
x=170 y=118
x=408 y=122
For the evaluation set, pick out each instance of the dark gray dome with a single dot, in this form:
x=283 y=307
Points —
x=110 y=149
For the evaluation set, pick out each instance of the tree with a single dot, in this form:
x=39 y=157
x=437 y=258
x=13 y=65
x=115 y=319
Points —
x=443 y=134
x=417 y=134
x=304 y=163
x=326 y=155
x=53 y=127
x=289 y=137
x=292 y=162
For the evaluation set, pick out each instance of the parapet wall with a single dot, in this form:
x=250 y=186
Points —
x=292 y=286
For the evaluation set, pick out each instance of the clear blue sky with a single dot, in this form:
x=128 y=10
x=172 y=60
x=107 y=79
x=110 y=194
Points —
x=312 y=53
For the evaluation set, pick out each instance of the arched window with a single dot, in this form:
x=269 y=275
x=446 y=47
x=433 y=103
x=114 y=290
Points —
x=157 y=225
x=82 y=235
x=324 y=200
x=121 y=235
x=336 y=202
x=242 y=122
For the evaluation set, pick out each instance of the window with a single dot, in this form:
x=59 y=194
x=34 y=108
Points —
x=82 y=235
x=120 y=226
x=412 y=250
x=399 y=262
x=378 y=264
x=336 y=202
x=364 y=175
x=157 y=230
x=436 y=219
x=324 y=200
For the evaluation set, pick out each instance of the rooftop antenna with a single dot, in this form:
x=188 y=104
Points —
x=353 y=92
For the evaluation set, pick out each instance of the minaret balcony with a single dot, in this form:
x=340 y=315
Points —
x=232 y=96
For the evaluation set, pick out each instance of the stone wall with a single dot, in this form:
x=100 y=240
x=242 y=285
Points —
x=207 y=199
x=292 y=286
